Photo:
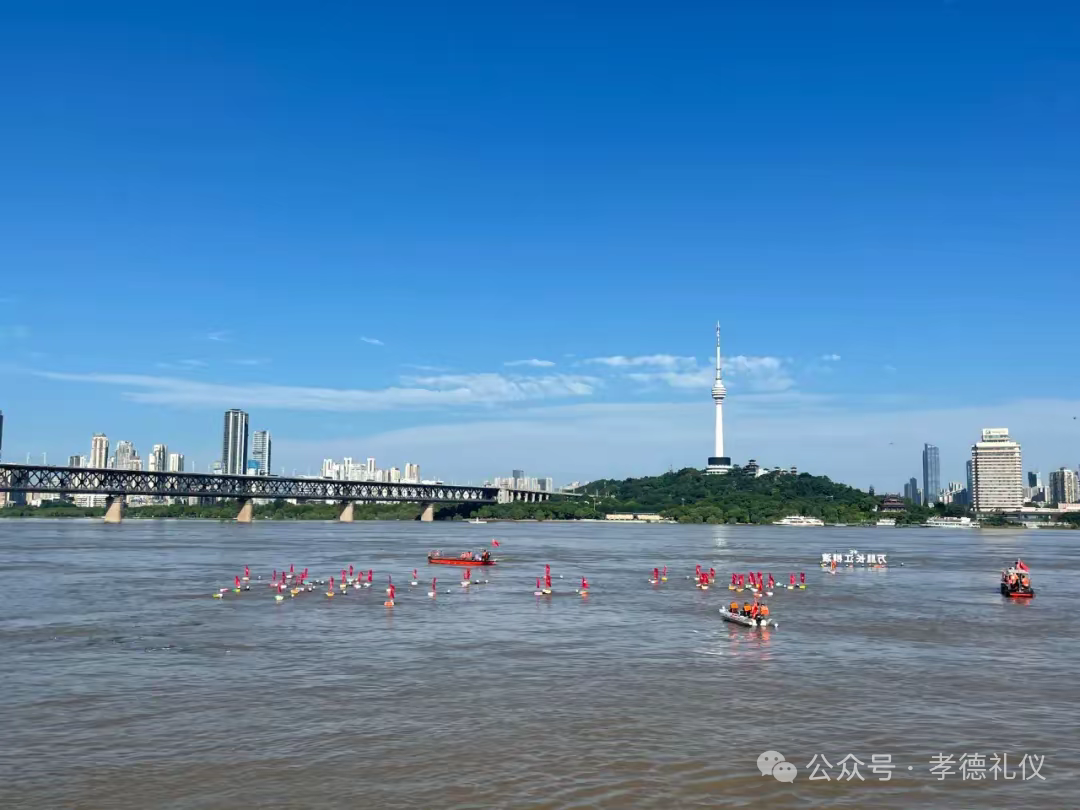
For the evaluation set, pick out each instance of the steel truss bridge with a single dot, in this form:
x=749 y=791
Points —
x=118 y=485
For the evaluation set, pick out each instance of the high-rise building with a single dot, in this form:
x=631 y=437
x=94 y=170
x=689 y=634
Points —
x=997 y=472
x=261 y=447
x=99 y=451
x=76 y=461
x=1034 y=479
x=718 y=462
x=1064 y=487
x=158 y=459
x=395 y=475
x=371 y=470
x=412 y=473
x=234 y=442
x=911 y=491
x=931 y=474
x=176 y=462
x=125 y=455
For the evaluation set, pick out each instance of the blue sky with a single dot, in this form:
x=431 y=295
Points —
x=352 y=221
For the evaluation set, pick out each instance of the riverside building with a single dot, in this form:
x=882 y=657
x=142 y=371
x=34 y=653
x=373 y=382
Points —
x=997 y=472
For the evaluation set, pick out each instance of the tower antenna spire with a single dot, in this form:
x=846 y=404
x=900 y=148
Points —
x=718 y=350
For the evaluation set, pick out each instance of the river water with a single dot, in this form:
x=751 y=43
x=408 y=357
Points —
x=125 y=685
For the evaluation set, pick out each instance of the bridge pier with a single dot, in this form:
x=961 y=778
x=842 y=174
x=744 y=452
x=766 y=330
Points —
x=427 y=515
x=346 y=515
x=114 y=509
x=247 y=511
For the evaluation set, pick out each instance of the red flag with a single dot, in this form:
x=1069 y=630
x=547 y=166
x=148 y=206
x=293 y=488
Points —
x=495 y=543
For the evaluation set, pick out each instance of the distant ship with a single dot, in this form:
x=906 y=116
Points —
x=799 y=520
x=887 y=522
x=952 y=523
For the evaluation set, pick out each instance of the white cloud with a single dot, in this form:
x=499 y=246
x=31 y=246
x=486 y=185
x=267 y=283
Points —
x=761 y=373
x=594 y=440
x=668 y=361
x=372 y=341
x=221 y=336
x=701 y=379
x=831 y=358
x=533 y=363
x=502 y=388
x=418 y=392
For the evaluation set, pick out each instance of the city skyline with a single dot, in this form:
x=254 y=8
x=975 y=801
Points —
x=572 y=239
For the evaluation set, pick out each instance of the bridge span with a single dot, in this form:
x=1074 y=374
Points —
x=117 y=485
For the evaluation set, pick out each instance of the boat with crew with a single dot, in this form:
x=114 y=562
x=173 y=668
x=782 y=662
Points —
x=465 y=558
x=799 y=520
x=951 y=523
x=746 y=621
x=1016 y=581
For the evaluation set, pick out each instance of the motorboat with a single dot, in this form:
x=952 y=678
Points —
x=1016 y=581
x=746 y=621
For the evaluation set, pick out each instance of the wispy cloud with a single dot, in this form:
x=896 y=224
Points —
x=418 y=392
x=372 y=341
x=421 y=367
x=7 y=299
x=182 y=365
x=890 y=369
x=533 y=363
x=14 y=332
x=831 y=358
x=220 y=336
x=760 y=373
x=668 y=361
x=250 y=361
x=700 y=378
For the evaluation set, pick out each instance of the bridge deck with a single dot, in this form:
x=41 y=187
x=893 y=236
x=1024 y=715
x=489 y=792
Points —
x=83 y=480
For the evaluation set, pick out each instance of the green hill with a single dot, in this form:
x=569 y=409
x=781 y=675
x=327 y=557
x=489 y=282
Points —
x=690 y=496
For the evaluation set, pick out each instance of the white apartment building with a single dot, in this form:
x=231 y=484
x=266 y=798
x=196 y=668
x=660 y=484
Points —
x=997 y=472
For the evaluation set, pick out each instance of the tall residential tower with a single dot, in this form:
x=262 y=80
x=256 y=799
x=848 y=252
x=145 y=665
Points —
x=718 y=462
x=99 y=451
x=261 y=449
x=234 y=443
x=931 y=474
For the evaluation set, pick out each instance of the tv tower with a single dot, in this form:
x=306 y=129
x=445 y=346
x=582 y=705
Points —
x=718 y=462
